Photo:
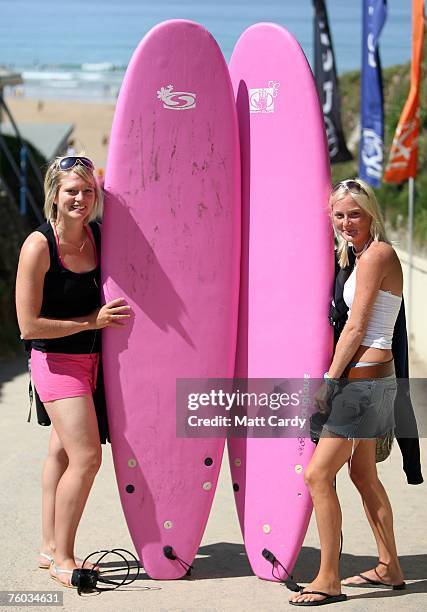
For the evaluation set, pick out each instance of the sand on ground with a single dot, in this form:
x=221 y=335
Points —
x=92 y=121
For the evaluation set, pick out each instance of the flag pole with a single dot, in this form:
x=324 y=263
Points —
x=411 y=190
x=402 y=164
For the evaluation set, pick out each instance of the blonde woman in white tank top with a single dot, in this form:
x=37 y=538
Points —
x=373 y=294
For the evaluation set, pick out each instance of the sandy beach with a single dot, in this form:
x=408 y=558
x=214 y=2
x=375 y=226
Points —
x=222 y=579
x=92 y=121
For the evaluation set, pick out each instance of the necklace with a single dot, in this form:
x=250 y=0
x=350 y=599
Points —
x=359 y=253
x=80 y=248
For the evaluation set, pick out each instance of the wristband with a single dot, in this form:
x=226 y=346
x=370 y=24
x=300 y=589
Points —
x=328 y=379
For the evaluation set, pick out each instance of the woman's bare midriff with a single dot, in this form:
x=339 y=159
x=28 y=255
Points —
x=369 y=354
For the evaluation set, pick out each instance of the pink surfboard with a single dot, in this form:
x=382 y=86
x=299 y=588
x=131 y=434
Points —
x=171 y=247
x=286 y=277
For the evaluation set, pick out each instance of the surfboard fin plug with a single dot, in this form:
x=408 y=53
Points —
x=268 y=555
x=169 y=554
x=289 y=582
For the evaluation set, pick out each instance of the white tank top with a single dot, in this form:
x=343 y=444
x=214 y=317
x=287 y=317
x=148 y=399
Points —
x=379 y=332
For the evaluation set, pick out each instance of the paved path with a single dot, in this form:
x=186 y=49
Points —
x=222 y=578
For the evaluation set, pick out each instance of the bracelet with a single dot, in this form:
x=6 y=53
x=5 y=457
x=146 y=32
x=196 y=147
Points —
x=328 y=379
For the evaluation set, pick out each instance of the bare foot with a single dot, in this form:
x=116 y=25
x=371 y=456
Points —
x=88 y=564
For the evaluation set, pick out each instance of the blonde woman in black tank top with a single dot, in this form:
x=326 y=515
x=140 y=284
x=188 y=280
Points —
x=59 y=310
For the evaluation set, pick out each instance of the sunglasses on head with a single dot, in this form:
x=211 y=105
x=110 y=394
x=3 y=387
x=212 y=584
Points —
x=66 y=163
x=351 y=185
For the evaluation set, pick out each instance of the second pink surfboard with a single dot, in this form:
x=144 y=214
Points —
x=286 y=277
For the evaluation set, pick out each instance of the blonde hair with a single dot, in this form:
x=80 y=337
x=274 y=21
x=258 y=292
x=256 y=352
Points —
x=364 y=196
x=52 y=182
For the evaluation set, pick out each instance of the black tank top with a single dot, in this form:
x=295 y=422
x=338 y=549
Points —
x=68 y=294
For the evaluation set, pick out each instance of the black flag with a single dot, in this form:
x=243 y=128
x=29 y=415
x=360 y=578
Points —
x=327 y=84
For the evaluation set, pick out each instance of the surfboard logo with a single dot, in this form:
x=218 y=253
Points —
x=176 y=100
x=261 y=100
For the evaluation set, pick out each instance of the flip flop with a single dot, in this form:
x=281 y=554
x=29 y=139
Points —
x=368 y=583
x=328 y=599
x=79 y=562
x=59 y=570
x=49 y=559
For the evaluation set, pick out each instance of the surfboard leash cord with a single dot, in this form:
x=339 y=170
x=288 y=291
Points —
x=86 y=580
x=170 y=554
x=290 y=583
x=341 y=533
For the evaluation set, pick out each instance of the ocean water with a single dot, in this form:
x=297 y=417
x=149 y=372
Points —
x=80 y=49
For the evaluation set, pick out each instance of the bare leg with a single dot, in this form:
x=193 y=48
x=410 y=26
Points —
x=75 y=422
x=379 y=513
x=330 y=455
x=54 y=466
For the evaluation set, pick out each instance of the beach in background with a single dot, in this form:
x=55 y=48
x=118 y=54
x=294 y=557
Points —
x=80 y=51
x=73 y=59
x=92 y=121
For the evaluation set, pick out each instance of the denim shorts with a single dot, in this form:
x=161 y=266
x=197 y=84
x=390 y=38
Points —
x=362 y=408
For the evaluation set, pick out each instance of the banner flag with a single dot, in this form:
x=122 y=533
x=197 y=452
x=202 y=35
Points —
x=371 y=148
x=325 y=74
x=404 y=149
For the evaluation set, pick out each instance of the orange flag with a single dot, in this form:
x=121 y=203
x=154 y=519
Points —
x=404 y=149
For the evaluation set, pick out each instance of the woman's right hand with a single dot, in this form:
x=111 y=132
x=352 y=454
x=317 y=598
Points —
x=112 y=314
x=323 y=396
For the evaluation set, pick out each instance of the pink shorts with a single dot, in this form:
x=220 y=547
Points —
x=60 y=375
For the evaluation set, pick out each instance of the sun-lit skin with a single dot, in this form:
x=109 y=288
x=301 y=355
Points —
x=75 y=199
x=351 y=221
x=74 y=450
x=378 y=268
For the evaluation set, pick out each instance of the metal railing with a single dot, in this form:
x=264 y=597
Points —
x=21 y=170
